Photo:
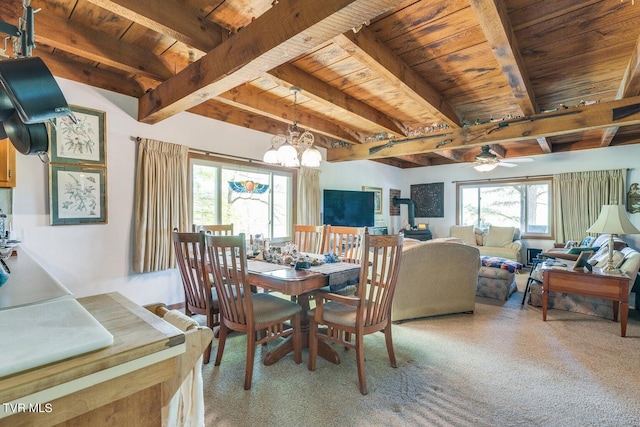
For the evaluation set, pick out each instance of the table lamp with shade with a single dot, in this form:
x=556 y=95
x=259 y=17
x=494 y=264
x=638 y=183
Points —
x=613 y=219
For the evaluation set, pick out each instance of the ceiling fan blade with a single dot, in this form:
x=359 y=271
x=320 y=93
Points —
x=507 y=165
x=520 y=160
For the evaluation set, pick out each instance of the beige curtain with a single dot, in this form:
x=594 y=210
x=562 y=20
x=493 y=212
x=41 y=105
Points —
x=578 y=197
x=309 y=197
x=161 y=203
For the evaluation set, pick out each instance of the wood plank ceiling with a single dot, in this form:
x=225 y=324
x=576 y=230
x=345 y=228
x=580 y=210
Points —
x=431 y=80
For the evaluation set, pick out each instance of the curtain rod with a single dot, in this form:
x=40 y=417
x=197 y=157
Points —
x=521 y=177
x=213 y=153
x=504 y=179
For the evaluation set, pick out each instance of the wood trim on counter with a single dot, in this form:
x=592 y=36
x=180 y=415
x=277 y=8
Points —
x=123 y=380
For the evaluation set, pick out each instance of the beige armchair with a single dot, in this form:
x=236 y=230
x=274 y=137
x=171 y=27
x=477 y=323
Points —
x=436 y=277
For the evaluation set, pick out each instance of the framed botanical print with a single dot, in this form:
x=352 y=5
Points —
x=377 y=198
x=79 y=142
x=78 y=195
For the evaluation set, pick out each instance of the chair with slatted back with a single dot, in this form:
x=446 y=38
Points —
x=200 y=296
x=346 y=242
x=309 y=238
x=368 y=311
x=216 y=229
x=263 y=317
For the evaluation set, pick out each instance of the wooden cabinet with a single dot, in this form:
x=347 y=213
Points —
x=7 y=164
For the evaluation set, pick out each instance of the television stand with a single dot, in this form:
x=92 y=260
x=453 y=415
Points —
x=418 y=234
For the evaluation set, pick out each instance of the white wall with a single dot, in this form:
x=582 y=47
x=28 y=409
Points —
x=93 y=259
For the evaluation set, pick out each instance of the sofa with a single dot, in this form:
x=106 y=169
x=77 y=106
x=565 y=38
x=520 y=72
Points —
x=572 y=249
x=627 y=259
x=502 y=242
x=436 y=277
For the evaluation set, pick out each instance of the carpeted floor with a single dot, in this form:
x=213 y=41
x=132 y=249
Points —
x=501 y=366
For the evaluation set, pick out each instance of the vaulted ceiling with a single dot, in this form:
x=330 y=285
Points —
x=430 y=81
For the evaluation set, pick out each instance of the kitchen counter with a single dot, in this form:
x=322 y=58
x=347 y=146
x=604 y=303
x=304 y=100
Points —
x=97 y=360
x=29 y=283
x=118 y=385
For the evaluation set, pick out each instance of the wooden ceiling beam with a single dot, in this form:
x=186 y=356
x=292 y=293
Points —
x=494 y=22
x=217 y=110
x=98 y=46
x=90 y=75
x=319 y=91
x=456 y=156
x=497 y=150
x=173 y=19
x=367 y=49
x=417 y=159
x=629 y=86
x=579 y=119
x=287 y=30
x=244 y=98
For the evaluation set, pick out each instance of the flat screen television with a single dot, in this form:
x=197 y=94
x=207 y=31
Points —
x=348 y=208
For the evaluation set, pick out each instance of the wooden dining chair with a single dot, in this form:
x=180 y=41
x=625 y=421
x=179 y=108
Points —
x=369 y=311
x=217 y=229
x=346 y=242
x=309 y=238
x=261 y=316
x=200 y=297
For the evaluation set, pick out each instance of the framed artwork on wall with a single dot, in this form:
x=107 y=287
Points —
x=428 y=199
x=82 y=142
x=377 y=198
x=77 y=195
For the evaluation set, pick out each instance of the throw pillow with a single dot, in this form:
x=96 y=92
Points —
x=618 y=258
x=499 y=236
x=601 y=254
x=587 y=241
x=464 y=232
x=576 y=251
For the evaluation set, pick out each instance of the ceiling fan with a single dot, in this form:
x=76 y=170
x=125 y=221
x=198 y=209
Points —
x=487 y=161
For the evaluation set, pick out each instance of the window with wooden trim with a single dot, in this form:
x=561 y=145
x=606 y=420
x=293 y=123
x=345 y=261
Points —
x=526 y=204
x=255 y=199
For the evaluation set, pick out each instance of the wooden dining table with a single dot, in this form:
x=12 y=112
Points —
x=299 y=283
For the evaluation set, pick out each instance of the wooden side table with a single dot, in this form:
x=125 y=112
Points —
x=595 y=284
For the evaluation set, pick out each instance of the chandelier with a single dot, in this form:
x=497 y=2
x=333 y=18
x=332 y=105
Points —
x=296 y=148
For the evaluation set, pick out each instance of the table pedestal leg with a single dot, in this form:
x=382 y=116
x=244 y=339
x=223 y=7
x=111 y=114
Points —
x=324 y=349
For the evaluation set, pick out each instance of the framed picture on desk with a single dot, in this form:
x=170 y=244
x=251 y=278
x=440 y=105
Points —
x=581 y=262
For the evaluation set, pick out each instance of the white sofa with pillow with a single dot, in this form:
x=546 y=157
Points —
x=503 y=242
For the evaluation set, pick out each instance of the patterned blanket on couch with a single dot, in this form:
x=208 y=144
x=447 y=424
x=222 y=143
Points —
x=503 y=263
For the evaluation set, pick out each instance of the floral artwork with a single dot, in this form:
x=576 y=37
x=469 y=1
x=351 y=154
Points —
x=79 y=141
x=77 y=195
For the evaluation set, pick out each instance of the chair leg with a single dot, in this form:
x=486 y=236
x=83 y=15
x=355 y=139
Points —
x=526 y=289
x=362 y=379
x=389 y=341
x=221 y=340
x=297 y=340
x=251 y=351
x=313 y=344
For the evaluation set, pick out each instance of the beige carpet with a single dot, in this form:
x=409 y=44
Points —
x=501 y=366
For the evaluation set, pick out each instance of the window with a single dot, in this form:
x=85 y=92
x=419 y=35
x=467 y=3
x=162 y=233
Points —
x=525 y=204
x=254 y=199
